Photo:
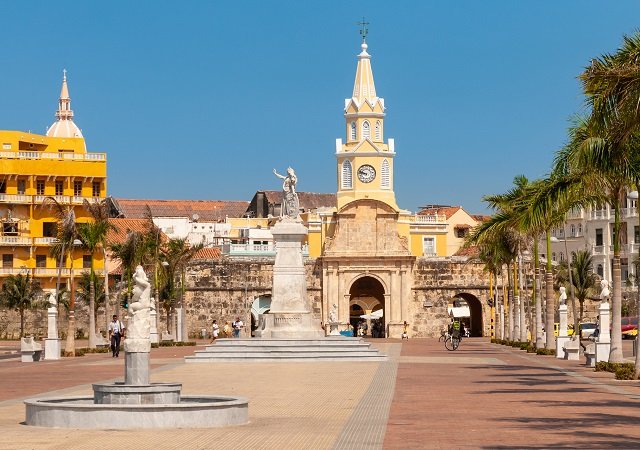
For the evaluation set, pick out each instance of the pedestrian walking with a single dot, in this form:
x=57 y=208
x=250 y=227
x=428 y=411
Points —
x=238 y=325
x=405 y=330
x=116 y=331
x=215 y=329
x=226 y=330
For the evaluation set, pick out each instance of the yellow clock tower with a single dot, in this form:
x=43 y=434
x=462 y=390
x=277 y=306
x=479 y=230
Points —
x=364 y=160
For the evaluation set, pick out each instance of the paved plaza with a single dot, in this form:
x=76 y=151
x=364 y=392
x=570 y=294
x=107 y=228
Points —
x=481 y=396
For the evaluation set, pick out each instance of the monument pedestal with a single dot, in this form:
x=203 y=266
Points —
x=290 y=316
x=603 y=341
x=51 y=348
x=562 y=338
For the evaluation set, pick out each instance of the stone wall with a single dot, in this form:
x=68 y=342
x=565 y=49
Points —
x=225 y=289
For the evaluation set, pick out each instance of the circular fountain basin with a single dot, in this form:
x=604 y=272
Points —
x=121 y=394
x=190 y=412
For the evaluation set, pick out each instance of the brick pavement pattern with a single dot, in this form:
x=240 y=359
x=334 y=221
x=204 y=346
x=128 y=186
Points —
x=481 y=396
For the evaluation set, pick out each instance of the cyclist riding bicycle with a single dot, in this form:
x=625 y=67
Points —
x=456 y=329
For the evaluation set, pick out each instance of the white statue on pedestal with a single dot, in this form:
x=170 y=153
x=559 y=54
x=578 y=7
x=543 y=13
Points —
x=604 y=294
x=563 y=296
x=140 y=307
x=333 y=314
x=290 y=204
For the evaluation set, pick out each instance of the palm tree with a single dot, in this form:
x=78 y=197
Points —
x=175 y=256
x=583 y=279
x=21 y=292
x=94 y=237
x=91 y=284
x=66 y=239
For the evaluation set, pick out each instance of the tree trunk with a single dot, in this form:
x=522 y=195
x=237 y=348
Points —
x=550 y=311
x=538 y=300
x=523 y=313
x=70 y=346
x=509 y=305
x=21 y=323
x=92 y=310
x=615 y=354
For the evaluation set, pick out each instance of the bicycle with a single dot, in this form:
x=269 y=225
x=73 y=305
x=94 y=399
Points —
x=452 y=343
x=444 y=335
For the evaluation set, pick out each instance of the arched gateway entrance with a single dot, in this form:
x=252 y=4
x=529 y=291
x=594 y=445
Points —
x=366 y=306
x=468 y=308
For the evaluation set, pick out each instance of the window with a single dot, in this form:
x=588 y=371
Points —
x=429 y=246
x=600 y=270
x=599 y=239
x=378 y=131
x=77 y=188
x=352 y=135
x=22 y=187
x=573 y=257
x=3 y=187
x=636 y=234
x=40 y=187
x=385 y=175
x=6 y=146
x=49 y=229
x=561 y=256
x=96 y=189
x=366 y=130
x=59 y=188
x=561 y=232
x=461 y=232
x=573 y=231
x=553 y=256
x=7 y=261
x=10 y=228
x=86 y=261
x=579 y=229
x=347 y=175
x=41 y=260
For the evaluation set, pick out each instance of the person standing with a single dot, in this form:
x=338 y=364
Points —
x=238 y=325
x=405 y=330
x=215 y=330
x=116 y=331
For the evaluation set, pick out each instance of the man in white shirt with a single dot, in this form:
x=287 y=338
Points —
x=116 y=331
x=238 y=325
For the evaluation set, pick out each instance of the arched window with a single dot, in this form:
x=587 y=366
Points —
x=378 y=131
x=600 y=270
x=352 y=136
x=366 y=130
x=561 y=256
x=553 y=256
x=573 y=230
x=579 y=229
x=385 y=175
x=347 y=178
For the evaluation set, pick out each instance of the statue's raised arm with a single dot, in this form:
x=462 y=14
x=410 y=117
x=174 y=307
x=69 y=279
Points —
x=290 y=204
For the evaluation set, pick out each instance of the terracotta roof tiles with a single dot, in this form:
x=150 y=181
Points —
x=208 y=210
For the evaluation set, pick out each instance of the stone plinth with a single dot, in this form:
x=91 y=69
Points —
x=121 y=394
x=603 y=341
x=290 y=315
x=51 y=348
x=136 y=368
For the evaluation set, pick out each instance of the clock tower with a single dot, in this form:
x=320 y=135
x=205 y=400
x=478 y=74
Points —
x=364 y=160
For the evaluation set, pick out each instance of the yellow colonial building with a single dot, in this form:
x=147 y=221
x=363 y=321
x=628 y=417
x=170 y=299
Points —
x=33 y=167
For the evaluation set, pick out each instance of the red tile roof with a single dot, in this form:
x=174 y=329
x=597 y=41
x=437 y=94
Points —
x=472 y=252
x=123 y=227
x=208 y=253
x=208 y=210
x=308 y=200
x=447 y=211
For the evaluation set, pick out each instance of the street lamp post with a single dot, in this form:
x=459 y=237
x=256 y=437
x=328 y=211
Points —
x=633 y=195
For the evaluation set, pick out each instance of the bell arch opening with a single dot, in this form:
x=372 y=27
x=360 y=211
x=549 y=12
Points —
x=366 y=307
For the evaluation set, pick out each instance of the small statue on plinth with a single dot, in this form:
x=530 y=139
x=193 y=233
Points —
x=604 y=293
x=333 y=314
x=563 y=296
x=290 y=204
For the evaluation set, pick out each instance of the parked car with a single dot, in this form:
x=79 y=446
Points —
x=587 y=329
x=629 y=327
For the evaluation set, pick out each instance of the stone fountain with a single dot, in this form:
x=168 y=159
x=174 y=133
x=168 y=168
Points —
x=137 y=403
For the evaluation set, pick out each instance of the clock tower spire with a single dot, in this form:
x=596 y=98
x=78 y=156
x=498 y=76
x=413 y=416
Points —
x=364 y=160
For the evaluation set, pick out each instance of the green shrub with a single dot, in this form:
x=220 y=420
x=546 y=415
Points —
x=154 y=345
x=545 y=351
x=167 y=344
x=602 y=366
x=626 y=371
x=531 y=348
x=185 y=344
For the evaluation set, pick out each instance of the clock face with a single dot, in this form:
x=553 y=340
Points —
x=366 y=173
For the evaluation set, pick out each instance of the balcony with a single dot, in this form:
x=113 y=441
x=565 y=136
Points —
x=598 y=249
x=575 y=214
x=94 y=157
x=255 y=250
x=44 y=240
x=15 y=240
x=13 y=270
x=431 y=218
x=599 y=214
x=49 y=272
x=15 y=198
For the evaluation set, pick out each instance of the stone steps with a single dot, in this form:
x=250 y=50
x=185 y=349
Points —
x=269 y=350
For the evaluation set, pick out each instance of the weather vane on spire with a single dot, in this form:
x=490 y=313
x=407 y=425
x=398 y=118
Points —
x=364 y=30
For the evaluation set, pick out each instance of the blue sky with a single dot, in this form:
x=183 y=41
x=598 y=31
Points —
x=200 y=100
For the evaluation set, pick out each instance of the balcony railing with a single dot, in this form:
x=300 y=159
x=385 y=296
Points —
x=50 y=272
x=58 y=155
x=39 y=199
x=15 y=240
x=255 y=250
x=431 y=218
x=598 y=249
x=599 y=214
x=44 y=240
